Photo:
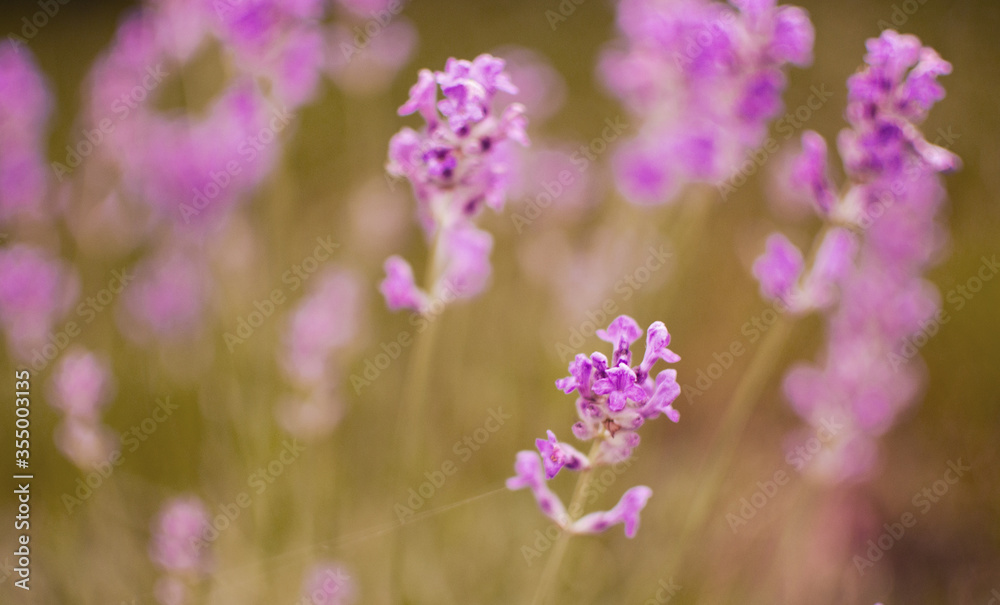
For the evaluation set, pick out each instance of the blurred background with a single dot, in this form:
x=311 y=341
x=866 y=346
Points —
x=471 y=540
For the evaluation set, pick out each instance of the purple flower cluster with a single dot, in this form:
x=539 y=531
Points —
x=191 y=167
x=81 y=385
x=456 y=166
x=168 y=301
x=176 y=548
x=322 y=325
x=614 y=399
x=36 y=290
x=705 y=79
x=891 y=204
x=25 y=107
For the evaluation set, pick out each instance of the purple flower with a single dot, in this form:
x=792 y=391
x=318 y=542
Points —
x=702 y=80
x=81 y=384
x=423 y=97
x=529 y=474
x=168 y=300
x=177 y=535
x=604 y=415
x=398 y=287
x=620 y=386
x=456 y=164
x=25 y=107
x=657 y=339
x=579 y=376
x=325 y=321
x=556 y=455
x=891 y=203
x=36 y=290
x=622 y=332
x=886 y=100
x=626 y=512
x=779 y=268
x=665 y=392
x=468 y=269
x=810 y=171
x=833 y=262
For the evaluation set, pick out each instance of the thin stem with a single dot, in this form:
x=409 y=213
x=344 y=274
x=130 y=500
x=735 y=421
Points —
x=411 y=420
x=684 y=233
x=559 y=549
x=742 y=404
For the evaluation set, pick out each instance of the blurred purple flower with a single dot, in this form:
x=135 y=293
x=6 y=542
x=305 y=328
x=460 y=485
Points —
x=81 y=383
x=168 y=300
x=704 y=78
x=36 y=290
x=325 y=321
x=865 y=376
x=177 y=536
x=85 y=442
x=25 y=107
x=779 y=268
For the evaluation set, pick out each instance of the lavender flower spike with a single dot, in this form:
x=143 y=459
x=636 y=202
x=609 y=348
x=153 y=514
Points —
x=613 y=401
x=881 y=236
x=456 y=164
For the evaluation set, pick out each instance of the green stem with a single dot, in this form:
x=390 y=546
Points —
x=559 y=549
x=411 y=418
x=726 y=441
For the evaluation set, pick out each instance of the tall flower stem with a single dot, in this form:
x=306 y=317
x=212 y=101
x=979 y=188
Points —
x=559 y=548
x=742 y=404
x=685 y=232
x=726 y=441
x=410 y=425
